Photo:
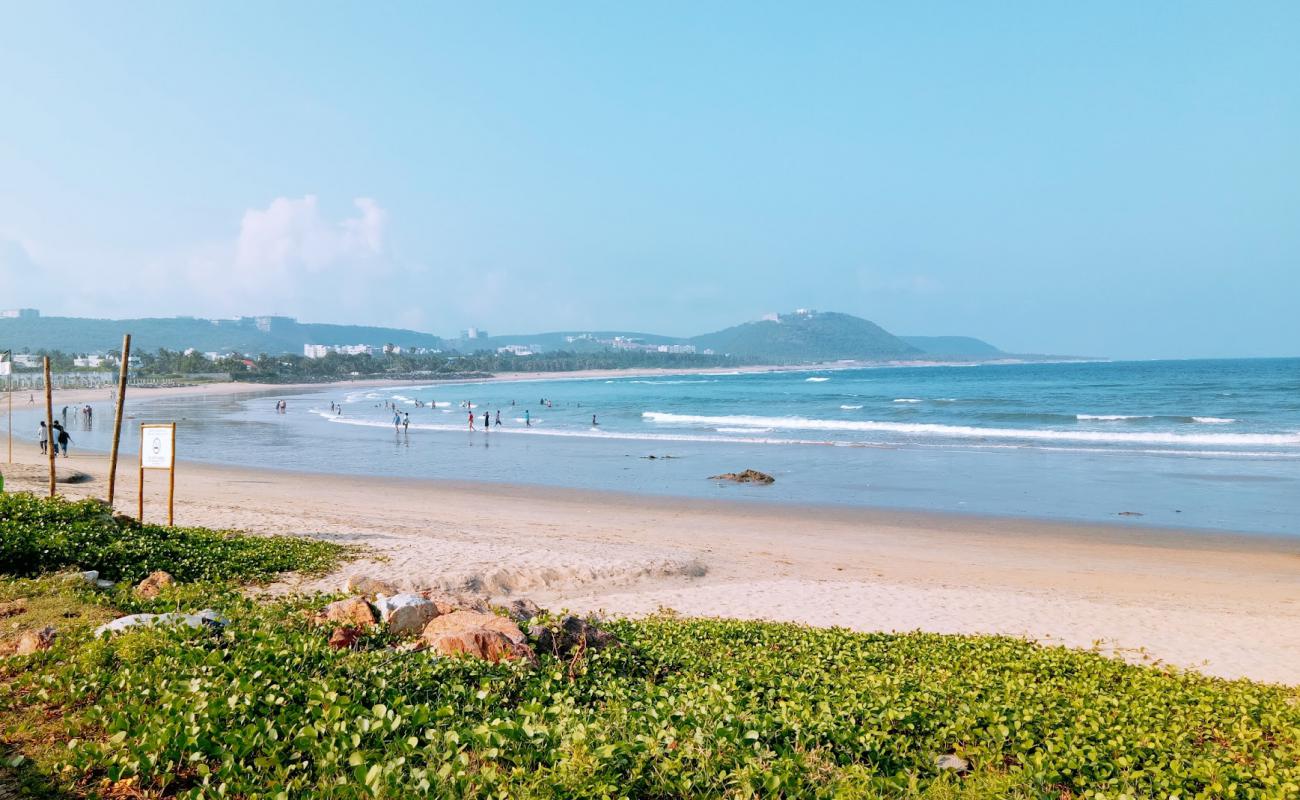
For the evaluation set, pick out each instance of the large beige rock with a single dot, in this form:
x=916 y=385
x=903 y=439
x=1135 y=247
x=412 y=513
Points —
x=467 y=620
x=35 y=641
x=153 y=585
x=354 y=611
x=368 y=586
x=405 y=614
x=489 y=645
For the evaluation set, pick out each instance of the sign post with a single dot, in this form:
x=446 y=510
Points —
x=158 y=451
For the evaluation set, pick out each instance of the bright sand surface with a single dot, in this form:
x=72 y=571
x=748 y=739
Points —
x=1225 y=604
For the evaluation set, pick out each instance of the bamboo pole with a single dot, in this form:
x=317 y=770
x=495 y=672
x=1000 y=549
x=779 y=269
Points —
x=10 y=382
x=117 y=416
x=49 y=422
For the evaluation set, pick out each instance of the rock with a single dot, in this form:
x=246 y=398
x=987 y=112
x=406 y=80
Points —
x=489 y=645
x=570 y=632
x=205 y=618
x=748 y=476
x=366 y=585
x=35 y=641
x=13 y=608
x=1130 y=513
x=951 y=762
x=152 y=586
x=344 y=638
x=89 y=576
x=405 y=614
x=104 y=584
x=522 y=610
x=466 y=620
x=353 y=611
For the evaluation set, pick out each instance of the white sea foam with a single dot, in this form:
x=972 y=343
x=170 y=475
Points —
x=816 y=380
x=907 y=400
x=1109 y=417
x=850 y=408
x=970 y=432
x=667 y=382
x=1213 y=420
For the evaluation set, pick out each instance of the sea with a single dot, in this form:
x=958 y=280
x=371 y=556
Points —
x=1209 y=444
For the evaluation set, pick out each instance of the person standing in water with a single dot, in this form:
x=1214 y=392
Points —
x=498 y=416
x=528 y=421
x=487 y=421
x=471 y=420
x=406 y=423
x=594 y=423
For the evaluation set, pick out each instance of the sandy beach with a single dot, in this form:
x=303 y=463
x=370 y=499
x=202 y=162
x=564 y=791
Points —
x=1225 y=604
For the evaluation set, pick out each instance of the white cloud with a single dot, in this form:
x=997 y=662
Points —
x=291 y=235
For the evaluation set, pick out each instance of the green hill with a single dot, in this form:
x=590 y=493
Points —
x=957 y=346
x=808 y=336
x=239 y=335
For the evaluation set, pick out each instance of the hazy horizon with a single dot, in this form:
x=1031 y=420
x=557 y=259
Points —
x=1104 y=180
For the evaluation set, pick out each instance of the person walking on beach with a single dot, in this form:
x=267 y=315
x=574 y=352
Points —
x=406 y=423
x=61 y=439
x=487 y=421
x=471 y=420
x=528 y=421
x=43 y=436
x=498 y=416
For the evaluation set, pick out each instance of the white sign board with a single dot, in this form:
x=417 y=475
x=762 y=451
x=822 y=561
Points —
x=5 y=367
x=158 y=446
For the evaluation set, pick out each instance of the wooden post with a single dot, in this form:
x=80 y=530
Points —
x=117 y=416
x=140 y=505
x=171 y=480
x=49 y=422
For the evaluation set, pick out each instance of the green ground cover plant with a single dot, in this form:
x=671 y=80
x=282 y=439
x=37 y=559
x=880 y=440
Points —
x=39 y=535
x=684 y=708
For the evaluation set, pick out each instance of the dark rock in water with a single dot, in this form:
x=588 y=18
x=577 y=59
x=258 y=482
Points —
x=560 y=638
x=1130 y=513
x=748 y=476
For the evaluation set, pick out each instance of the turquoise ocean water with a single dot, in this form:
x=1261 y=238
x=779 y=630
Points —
x=1201 y=444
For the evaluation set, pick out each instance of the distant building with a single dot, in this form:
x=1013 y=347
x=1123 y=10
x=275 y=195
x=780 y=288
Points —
x=26 y=360
x=355 y=350
x=676 y=348
x=315 y=350
x=392 y=349
x=473 y=333
x=20 y=313
x=90 y=362
x=516 y=349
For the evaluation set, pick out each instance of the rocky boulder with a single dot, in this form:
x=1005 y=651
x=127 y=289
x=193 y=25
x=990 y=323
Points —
x=748 y=476
x=522 y=610
x=207 y=618
x=35 y=641
x=354 y=612
x=561 y=637
x=489 y=645
x=465 y=620
x=405 y=614
x=344 y=638
x=153 y=585
x=368 y=586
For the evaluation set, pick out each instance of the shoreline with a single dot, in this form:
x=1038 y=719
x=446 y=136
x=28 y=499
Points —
x=1228 y=604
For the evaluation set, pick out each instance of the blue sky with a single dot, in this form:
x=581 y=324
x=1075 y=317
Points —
x=1112 y=178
